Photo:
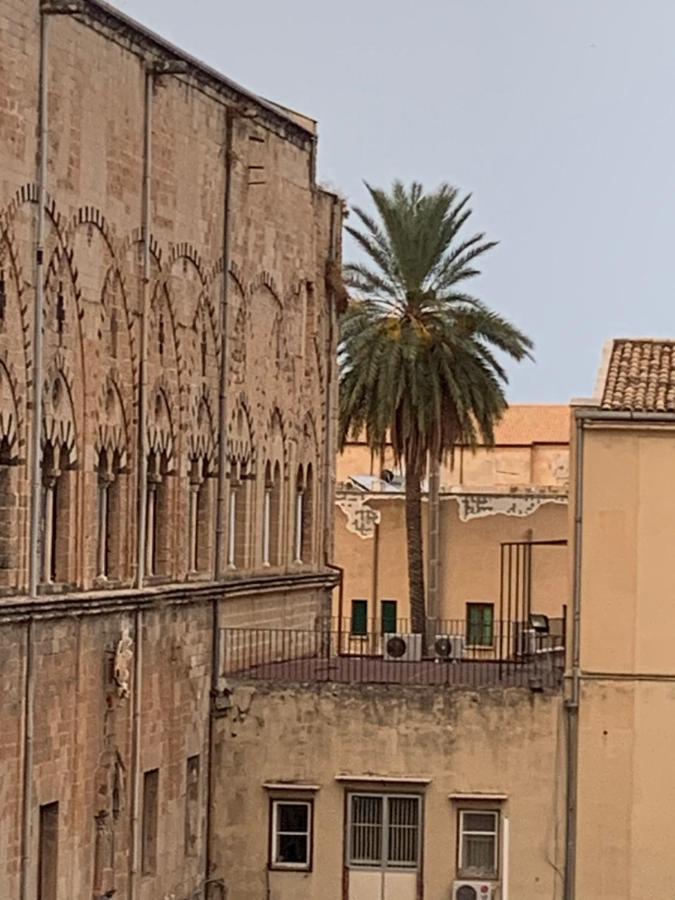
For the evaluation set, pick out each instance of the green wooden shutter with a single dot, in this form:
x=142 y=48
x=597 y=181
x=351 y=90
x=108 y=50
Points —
x=389 y=616
x=359 y=617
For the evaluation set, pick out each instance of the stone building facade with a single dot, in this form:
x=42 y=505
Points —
x=167 y=297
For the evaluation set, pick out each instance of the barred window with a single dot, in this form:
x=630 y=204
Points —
x=384 y=831
x=478 y=843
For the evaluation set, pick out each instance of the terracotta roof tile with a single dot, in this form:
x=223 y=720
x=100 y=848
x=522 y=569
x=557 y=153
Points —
x=640 y=376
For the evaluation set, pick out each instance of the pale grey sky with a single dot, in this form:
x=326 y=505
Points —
x=558 y=115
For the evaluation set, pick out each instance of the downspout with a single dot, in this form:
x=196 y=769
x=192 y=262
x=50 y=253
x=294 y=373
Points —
x=142 y=487
x=434 y=539
x=221 y=502
x=27 y=799
x=133 y=892
x=572 y=704
x=36 y=482
x=375 y=582
x=330 y=447
x=143 y=369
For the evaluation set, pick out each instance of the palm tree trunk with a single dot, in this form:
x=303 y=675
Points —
x=413 y=529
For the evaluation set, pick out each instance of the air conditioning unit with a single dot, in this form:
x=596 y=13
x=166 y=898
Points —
x=474 y=890
x=403 y=647
x=527 y=642
x=449 y=646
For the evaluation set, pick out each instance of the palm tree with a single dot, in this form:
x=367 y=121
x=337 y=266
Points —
x=418 y=363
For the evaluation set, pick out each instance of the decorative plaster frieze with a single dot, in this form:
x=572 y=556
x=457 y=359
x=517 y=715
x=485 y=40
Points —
x=361 y=518
x=479 y=506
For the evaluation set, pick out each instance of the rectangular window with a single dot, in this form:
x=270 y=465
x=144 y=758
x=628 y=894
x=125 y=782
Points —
x=48 y=852
x=291 y=834
x=360 y=617
x=388 y=610
x=480 y=624
x=384 y=831
x=478 y=843
x=149 y=823
x=192 y=806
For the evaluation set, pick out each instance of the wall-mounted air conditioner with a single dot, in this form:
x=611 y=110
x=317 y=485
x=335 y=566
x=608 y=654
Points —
x=449 y=646
x=403 y=647
x=474 y=890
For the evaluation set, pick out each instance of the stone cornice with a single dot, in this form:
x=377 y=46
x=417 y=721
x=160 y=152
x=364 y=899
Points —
x=18 y=608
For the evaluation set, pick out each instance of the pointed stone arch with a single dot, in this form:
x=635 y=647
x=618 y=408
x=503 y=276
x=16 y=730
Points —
x=112 y=433
x=12 y=433
x=202 y=438
x=59 y=422
x=161 y=425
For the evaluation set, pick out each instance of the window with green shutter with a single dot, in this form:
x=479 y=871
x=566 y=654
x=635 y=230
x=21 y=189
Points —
x=480 y=624
x=388 y=615
x=359 y=617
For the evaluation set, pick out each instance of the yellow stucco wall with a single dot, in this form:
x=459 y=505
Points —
x=626 y=789
x=470 y=556
x=496 y=741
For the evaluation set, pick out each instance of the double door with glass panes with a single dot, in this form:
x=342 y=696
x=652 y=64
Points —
x=383 y=844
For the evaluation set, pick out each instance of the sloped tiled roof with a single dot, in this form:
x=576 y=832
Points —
x=639 y=376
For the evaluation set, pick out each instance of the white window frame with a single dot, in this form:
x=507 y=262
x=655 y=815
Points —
x=275 y=862
x=463 y=871
x=384 y=864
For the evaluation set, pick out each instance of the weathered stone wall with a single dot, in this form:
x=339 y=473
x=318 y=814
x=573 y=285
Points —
x=282 y=230
x=104 y=678
x=500 y=742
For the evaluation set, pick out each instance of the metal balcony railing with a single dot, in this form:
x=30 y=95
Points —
x=454 y=652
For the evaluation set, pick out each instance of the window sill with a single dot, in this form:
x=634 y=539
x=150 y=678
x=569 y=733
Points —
x=463 y=875
x=289 y=867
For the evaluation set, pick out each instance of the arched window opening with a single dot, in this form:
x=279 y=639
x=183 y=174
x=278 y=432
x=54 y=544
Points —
x=275 y=516
x=307 y=518
x=55 y=515
x=267 y=516
x=157 y=532
x=199 y=530
x=109 y=519
x=9 y=532
x=299 y=515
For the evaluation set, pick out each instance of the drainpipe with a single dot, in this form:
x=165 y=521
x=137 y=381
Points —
x=143 y=369
x=434 y=540
x=221 y=504
x=223 y=493
x=36 y=481
x=133 y=892
x=27 y=798
x=329 y=455
x=572 y=704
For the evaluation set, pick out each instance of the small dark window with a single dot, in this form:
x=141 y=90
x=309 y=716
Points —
x=291 y=834
x=149 y=824
x=480 y=624
x=48 y=852
x=359 y=617
x=389 y=616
